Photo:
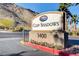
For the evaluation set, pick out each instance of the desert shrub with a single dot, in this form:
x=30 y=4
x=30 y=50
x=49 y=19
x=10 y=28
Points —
x=51 y=46
x=38 y=43
x=74 y=33
x=47 y=44
x=78 y=33
x=41 y=43
x=2 y=27
x=58 y=47
x=7 y=22
x=19 y=29
x=70 y=33
x=32 y=41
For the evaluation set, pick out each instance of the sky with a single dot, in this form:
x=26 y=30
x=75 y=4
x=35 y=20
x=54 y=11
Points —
x=40 y=7
x=44 y=7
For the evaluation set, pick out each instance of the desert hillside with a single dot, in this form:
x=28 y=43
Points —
x=12 y=16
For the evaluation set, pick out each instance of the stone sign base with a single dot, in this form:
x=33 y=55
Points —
x=54 y=38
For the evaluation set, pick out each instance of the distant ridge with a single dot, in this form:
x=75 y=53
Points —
x=19 y=14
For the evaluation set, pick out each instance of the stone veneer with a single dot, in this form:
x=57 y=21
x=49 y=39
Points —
x=51 y=37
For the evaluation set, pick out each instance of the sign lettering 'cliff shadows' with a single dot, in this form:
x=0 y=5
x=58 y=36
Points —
x=48 y=21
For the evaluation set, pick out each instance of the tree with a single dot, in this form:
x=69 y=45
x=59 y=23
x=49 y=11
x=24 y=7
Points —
x=64 y=7
x=76 y=4
x=75 y=20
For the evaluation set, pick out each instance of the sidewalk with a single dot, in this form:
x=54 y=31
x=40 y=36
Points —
x=73 y=36
x=5 y=31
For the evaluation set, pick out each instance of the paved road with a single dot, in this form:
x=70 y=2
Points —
x=73 y=41
x=10 y=46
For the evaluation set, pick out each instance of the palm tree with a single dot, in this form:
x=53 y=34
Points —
x=75 y=20
x=76 y=4
x=64 y=7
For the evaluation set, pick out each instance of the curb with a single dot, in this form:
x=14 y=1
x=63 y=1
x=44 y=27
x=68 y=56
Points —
x=46 y=49
x=65 y=54
x=42 y=48
x=74 y=54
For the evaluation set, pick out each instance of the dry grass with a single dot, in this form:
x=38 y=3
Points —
x=6 y=22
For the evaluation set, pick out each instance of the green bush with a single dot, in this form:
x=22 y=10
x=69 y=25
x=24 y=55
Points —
x=7 y=22
x=31 y=41
x=70 y=33
x=59 y=47
x=74 y=33
x=51 y=46
x=38 y=43
x=47 y=44
x=78 y=33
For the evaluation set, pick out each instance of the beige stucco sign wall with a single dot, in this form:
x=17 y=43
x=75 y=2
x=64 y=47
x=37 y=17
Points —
x=49 y=27
x=48 y=36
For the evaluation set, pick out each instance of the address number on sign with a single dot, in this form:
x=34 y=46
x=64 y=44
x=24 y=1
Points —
x=42 y=35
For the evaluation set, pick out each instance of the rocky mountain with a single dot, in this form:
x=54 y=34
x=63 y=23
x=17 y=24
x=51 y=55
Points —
x=19 y=14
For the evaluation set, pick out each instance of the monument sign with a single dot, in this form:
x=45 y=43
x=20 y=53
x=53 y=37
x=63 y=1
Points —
x=49 y=29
